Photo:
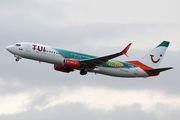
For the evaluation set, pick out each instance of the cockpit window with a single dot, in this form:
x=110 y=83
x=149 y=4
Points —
x=18 y=44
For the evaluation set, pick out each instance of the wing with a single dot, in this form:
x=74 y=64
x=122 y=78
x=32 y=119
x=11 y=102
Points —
x=92 y=63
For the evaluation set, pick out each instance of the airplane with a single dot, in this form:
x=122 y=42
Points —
x=68 y=61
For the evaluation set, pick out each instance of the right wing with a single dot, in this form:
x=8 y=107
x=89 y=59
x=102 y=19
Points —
x=92 y=63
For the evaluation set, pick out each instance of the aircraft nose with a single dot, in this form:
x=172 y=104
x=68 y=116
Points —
x=10 y=48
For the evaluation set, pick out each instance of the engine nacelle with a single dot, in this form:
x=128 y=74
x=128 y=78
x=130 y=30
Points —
x=62 y=68
x=70 y=63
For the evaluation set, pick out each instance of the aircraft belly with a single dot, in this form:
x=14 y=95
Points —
x=121 y=72
x=53 y=59
x=43 y=57
x=141 y=72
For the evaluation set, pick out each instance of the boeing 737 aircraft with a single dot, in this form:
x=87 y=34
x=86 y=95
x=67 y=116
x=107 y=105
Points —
x=68 y=61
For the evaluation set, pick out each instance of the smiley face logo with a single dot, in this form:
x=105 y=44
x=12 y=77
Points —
x=156 y=60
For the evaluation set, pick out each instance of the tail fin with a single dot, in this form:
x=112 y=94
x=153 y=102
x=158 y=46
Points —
x=154 y=58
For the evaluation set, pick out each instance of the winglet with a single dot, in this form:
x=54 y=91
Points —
x=126 y=49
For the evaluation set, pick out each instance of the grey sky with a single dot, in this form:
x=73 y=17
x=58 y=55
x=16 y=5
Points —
x=29 y=90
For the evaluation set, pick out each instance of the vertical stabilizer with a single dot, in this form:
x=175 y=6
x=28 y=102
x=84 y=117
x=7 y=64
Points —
x=154 y=58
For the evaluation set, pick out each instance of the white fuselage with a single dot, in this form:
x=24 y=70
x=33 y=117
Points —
x=47 y=54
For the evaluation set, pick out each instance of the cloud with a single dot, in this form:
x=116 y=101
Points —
x=103 y=99
x=106 y=100
x=123 y=11
x=12 y=104
x=68 y=13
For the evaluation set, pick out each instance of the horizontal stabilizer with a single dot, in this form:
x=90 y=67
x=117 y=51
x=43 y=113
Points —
x=159 y=69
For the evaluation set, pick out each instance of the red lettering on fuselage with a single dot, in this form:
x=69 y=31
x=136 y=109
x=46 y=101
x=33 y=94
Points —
x=44 y=49
x=39 y=48
x=34 y=47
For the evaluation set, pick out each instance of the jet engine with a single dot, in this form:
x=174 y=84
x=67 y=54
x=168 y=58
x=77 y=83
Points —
x=62 y=68
x=70 y=63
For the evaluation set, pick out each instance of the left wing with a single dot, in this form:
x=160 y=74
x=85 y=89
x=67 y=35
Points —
x=91 y=63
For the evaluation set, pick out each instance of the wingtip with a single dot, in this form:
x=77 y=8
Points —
x=126 y=49
x=126 y=54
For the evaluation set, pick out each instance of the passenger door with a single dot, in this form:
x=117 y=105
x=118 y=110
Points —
x=28 y=48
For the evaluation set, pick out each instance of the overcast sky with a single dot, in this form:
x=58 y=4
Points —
x=33 y=91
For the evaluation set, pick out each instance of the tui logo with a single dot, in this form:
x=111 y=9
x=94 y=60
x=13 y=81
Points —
x=39 y=48
x=156 y=60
